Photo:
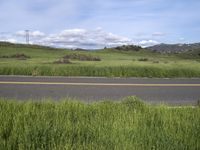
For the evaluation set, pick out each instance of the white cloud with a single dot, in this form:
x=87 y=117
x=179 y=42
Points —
x=83 y=38
x=12 y=40
x=158 y=34
x=34 y=34
x=37 y=34
x=73 y=32
x=79 y=38
x=20 y=33
x=146 y=43
x=9 y=40
x=181 y=38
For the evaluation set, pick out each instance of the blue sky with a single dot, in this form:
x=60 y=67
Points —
x=99 y=23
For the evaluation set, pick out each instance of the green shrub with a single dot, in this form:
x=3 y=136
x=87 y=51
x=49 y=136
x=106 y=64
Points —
x=143 y=59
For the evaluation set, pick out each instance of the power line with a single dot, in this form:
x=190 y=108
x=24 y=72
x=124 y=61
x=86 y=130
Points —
x=27 y=36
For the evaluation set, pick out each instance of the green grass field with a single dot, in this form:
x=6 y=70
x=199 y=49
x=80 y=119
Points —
x=129 y=125
x=113 y=63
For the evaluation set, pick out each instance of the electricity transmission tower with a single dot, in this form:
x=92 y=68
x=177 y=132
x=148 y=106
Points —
x=27 y=36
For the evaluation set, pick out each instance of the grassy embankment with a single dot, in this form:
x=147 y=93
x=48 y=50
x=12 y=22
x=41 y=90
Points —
x=129 y=124
x=113 y=63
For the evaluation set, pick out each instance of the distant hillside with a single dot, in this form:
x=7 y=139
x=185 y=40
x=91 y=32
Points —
x=174 y=48
x=127 y=48
x=16 y=45
x=192 y=50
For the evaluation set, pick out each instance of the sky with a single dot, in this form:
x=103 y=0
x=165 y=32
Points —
x=99 y=23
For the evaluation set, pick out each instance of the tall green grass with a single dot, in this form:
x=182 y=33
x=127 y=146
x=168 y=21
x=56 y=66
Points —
x=109 y=71
x=129 y=124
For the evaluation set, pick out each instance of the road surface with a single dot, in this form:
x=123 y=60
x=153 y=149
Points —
x=171 y=91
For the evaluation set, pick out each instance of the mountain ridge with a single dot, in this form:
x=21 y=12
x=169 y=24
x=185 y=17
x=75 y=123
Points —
x=174 y=48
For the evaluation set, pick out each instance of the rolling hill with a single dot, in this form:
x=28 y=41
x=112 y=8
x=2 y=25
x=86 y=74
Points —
x=122 y=61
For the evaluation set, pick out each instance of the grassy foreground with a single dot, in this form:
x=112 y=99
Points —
x=44 y=61
x=129 y=124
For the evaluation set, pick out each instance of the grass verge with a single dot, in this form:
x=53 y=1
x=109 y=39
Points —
x=114 y=71
x=129 y=124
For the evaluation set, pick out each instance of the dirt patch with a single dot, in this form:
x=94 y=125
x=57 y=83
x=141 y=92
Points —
x=62 y=61
x=19 y=56
x=82 y=57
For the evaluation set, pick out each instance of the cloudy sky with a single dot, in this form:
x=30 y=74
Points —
x=99 y=23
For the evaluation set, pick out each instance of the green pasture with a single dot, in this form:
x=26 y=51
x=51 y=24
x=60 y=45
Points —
x=113 y=63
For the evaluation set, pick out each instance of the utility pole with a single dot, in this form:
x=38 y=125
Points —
x=27 y=36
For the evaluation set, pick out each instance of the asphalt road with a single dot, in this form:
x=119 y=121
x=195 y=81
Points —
x=171 y=91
